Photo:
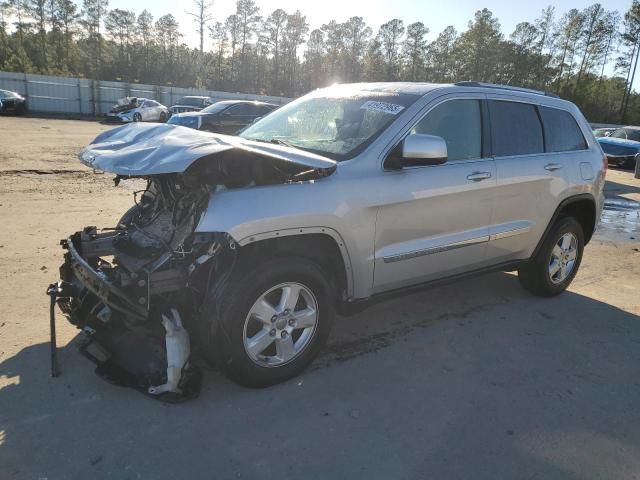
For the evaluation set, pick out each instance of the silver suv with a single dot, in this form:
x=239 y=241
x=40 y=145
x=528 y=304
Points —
x=242 y=248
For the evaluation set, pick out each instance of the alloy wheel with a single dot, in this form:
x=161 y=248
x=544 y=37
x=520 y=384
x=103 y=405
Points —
x=280 y=324
x=563 y=258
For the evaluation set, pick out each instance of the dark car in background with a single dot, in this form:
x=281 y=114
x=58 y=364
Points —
x=12 y=102
x=191 y=103
x=227 y=116
x=622 y=146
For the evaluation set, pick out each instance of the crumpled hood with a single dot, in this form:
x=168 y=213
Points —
x=152 y=149
x=619 y=146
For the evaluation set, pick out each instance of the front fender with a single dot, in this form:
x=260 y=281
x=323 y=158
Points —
x=254 y=214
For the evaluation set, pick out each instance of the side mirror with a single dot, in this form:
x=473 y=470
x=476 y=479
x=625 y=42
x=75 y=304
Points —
x=418 y=149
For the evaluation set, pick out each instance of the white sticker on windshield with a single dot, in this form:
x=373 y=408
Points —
x=390 y=108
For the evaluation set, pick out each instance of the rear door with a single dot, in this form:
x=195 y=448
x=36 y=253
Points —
x=433 y=221
x=157 y=110
x=532 y=173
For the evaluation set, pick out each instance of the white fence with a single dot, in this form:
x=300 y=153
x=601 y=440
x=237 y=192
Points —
x=70 y=95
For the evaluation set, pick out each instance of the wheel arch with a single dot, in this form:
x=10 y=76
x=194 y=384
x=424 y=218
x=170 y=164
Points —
x=322 y=245
x=582 y=207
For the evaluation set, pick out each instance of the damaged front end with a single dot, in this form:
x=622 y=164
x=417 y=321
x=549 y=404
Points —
x=132 y=289
x=136 y=290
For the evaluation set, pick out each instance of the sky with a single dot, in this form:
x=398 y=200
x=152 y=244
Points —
x=436 y=15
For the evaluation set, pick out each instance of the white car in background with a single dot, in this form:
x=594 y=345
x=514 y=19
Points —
x=135 y=109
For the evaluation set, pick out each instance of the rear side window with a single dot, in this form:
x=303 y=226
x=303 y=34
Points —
x=515 y=129
x=242 y=109
x=459 y=123
x=263 y=110
x=561 y=132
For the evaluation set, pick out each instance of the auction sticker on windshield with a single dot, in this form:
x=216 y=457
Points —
x=385 y=107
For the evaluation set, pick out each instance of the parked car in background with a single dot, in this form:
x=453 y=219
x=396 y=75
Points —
x=227 y=116
x=135 y=109
x=12 y=102
x=622 y=146
x=603 y=132
x=191 y=103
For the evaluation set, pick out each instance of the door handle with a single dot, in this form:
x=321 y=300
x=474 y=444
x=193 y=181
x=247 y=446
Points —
x=479 y=176
x=552 y=167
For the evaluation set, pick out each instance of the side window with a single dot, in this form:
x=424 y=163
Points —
x=515 y=129
x=241 y=109
x=561 y=132
x=459 y=122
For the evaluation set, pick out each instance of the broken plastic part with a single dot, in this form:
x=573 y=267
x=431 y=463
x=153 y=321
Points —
x=178 y=351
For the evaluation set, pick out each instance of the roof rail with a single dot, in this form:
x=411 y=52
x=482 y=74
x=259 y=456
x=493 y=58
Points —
x=504 y=87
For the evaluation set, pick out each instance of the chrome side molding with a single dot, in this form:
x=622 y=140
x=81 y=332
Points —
x=437 y=249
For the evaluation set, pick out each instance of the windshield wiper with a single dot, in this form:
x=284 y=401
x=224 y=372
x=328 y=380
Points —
x=276 y=141
x=279 y=141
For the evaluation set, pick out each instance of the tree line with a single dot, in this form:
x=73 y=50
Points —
x=589 y=56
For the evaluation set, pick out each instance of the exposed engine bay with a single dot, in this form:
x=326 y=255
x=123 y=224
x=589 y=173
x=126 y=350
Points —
x=136 y=289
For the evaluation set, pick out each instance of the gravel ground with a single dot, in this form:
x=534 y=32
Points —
x=475 y=379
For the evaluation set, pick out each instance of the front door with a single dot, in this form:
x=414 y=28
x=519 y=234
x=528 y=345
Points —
x=236 y=117
x=433 y=221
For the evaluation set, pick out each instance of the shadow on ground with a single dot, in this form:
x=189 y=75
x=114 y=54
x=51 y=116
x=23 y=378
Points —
x=613 y=189
x=472 y=380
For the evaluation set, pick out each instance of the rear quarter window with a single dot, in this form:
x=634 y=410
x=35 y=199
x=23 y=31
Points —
x=561 y=131
x=515 y=129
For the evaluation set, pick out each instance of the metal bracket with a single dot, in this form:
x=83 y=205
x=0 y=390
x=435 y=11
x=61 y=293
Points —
x=52 y=291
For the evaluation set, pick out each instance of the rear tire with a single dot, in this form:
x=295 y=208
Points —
x=556 y=264
x=233 y=326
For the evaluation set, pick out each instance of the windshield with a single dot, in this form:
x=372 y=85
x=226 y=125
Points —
x=186 y=121
x=627 y=134
x=602 y=132
x=215 y=108
x=191 y=101
x=335 y=122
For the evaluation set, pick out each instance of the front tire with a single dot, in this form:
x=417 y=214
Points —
x=137 y=117
x=163 y=117
x=268 y=322
x=556 y=264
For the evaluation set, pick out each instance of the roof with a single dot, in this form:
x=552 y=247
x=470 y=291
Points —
x=195 y=96
x=411 y=88
x=252 y=102
x=422 y=88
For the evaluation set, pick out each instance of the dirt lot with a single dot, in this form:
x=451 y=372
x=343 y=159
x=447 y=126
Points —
x=472 y=380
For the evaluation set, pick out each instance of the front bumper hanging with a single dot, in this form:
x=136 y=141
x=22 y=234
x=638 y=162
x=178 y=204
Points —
x=130 y=345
